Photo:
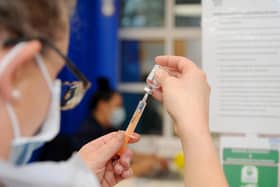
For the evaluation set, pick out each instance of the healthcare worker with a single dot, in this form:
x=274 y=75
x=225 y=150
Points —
x=33 y=39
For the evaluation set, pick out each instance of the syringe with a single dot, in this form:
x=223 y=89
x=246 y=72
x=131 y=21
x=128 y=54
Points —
x=151 y=84
x=134 y=121
x=137 y=114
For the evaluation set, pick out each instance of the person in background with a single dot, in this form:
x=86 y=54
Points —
x=106 y=114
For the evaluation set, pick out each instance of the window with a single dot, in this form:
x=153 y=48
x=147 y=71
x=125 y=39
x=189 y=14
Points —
x=190 y=48
x=137 y=58
x=187 y=13
x=149 y=28
x=142 y=13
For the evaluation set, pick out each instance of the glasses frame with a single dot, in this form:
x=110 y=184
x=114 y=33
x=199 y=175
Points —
x=86 y=84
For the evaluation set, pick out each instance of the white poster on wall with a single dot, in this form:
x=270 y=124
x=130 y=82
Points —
x=241 y=56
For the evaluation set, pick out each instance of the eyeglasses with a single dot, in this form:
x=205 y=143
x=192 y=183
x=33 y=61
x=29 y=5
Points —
x=73 y=92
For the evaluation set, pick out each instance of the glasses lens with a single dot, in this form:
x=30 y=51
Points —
x=72 y=94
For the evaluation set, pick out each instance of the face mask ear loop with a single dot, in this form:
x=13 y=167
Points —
x=44 y=70
x=10 y=56
x=14 y=120
x=4 y=63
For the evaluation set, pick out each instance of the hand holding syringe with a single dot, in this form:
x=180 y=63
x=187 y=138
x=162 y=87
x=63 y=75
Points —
x=152 y=84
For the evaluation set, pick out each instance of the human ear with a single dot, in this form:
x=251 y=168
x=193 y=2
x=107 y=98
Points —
x=8 y=70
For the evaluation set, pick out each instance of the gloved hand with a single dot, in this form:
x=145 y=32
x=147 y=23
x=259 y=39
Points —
x=100 y=156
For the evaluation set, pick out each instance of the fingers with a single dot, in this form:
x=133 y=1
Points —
x=124 y=162
x=118 y=169
x=157 y=94
x=161 y=76
x=96 y=144
x=124 y=175
x=125 y=159
x=122 y=166
x=179 y=63
x=133 y=138
x=109 y=145
x=128 y=173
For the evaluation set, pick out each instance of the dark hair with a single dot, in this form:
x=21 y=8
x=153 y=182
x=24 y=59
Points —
x=35 y=18
x=103 y=92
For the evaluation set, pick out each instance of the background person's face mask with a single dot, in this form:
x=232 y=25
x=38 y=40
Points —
x=23 y=147
x=117 y=117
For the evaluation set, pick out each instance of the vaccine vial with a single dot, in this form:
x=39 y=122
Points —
x=151 y=82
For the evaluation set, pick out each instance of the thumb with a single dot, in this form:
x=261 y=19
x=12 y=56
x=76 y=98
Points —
x=112 y=146
x=161 y=76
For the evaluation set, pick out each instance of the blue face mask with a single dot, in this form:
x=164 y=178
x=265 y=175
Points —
x=23 y=147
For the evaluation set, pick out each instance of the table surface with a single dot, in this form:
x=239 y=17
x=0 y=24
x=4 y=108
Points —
x=140 y=182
